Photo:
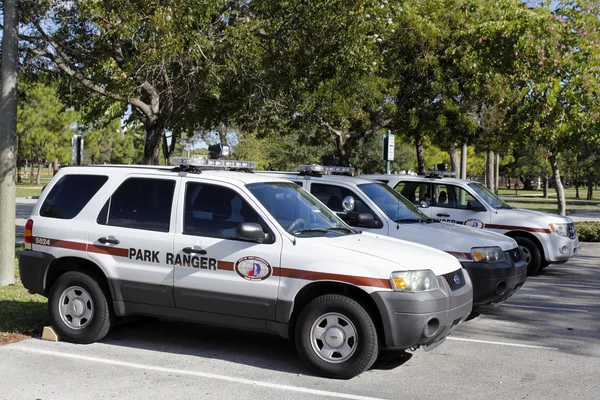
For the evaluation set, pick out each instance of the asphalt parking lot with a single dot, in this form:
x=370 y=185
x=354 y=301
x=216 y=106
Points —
x=544 y=343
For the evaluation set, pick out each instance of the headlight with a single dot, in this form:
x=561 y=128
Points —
x=561 y=229
x=414 y=281
x=487 y=254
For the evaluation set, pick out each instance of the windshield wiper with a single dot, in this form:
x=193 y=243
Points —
x=401 y=221
x=323 y=230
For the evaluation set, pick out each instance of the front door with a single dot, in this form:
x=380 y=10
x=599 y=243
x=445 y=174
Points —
x=214 y=271
x=416 y=192
x=132 y=236
x=450 y=203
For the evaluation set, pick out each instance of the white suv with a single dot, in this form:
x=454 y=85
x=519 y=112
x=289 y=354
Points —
x=544 y=238
x=233 y=249
x=496 y=266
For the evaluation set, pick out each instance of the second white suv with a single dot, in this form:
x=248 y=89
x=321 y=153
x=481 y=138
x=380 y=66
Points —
x=494 y=262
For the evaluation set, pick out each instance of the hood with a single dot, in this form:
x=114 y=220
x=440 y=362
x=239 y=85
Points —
x=528 y=218
x=409 y=255
x=452 y=238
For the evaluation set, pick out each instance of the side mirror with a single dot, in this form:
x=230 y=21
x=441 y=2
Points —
x=425 y=203
x=365 y=220
x=251 y=232
x=474 y=205
x=348 y=203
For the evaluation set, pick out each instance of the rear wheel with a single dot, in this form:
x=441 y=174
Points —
x=79 y=308
x=532 y=254
x=336 y=336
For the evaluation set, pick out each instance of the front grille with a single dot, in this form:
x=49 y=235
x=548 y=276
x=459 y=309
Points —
x=571 y=230
x=455 y=279
x=514 y=254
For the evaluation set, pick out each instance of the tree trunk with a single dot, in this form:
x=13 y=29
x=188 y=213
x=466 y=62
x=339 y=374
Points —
x=590 y=191
x=38 y=180
x=558 y=186
x=8 y=133
x=31 y=172
x=455 y=161
x=421 y=169
x=507 y=182
x=55 y=167
x=154 y=134
x=545 y=178
x=341 y=141
x=490 y=171
x=577 y=186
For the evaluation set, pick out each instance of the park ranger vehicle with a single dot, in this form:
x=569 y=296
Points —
x=494 y=262
x=202 y=243
x=544 y=238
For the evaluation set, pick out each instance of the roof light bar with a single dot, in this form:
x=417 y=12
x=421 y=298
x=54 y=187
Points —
x=324 y=169
x=212 y=164
x=440 y=174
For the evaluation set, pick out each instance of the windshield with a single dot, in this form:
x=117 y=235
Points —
x=396 y=207
x=297 y=211
x=489 y=197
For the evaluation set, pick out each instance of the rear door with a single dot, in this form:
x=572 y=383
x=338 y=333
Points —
x=132 y=236
x=214 y=271
x=332 y=194
x=416 y=192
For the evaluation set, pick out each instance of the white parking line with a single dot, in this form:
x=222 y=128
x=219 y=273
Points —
x=544 y=308
x=194 y=373
x=501 y=343
x=563 y=284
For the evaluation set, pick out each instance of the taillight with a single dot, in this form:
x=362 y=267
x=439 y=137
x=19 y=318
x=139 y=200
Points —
x=29 y=234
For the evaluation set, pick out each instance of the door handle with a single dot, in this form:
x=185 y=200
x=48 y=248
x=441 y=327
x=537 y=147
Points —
x=105 y=240
x=443 y=215
x=190 y=250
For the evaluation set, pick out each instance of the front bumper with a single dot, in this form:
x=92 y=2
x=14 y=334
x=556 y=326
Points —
x=33 y=267
x=495 y=282
x=423 y=318
x=559 y=249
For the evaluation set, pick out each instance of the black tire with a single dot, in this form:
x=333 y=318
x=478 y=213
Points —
x=95 y=299
x=531 y=250
x=365 y=343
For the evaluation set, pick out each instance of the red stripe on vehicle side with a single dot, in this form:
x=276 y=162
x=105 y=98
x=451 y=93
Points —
x=459 y=255
x=320 y=276
x=522 y=228
x=225 y=265
x=64 y=244
x=113 y=251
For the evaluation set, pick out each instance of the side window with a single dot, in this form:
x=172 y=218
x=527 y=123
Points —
x=413 y=191
x=216 y=211
x=332 y=196
x=70 y=194
x=450 y=196
x=140 y=203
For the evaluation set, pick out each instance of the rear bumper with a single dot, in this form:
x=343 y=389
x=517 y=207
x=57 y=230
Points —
x=33 y=268
x=495 y=282
x=424 y=318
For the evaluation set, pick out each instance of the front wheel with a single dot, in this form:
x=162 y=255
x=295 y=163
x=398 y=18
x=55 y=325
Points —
x=336 y=336
x=79 y=308
x=532 y=254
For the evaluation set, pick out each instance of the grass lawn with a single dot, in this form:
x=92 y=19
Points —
x=28 y=191
x=569 y=193
x=21 y=314
x=552 y=207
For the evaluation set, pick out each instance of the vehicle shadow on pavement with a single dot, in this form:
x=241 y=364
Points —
x=236 y=346
x=249 y=348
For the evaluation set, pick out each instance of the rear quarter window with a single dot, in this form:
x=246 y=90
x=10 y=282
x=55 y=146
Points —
x=70 y=195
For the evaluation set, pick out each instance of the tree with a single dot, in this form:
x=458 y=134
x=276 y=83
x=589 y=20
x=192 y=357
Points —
x=8 y=111
x=44 y=126
x=157 y=57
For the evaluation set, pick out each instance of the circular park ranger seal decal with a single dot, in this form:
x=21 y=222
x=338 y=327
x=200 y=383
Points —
x=474 y=223
x=253 y=268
